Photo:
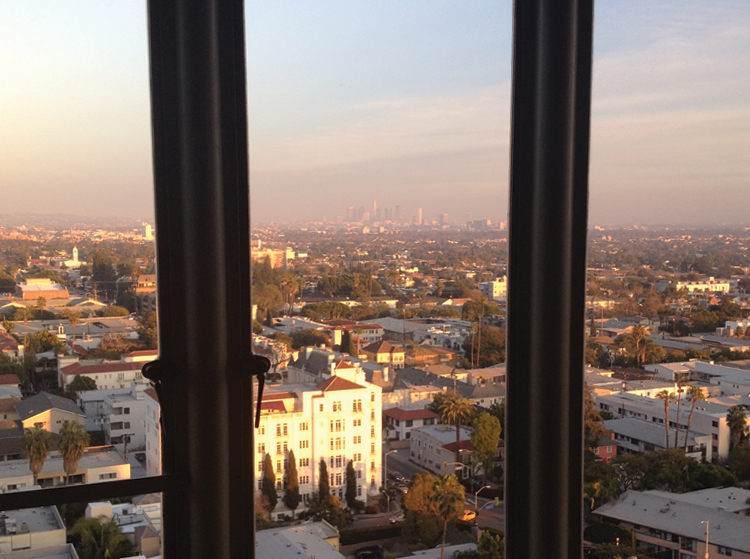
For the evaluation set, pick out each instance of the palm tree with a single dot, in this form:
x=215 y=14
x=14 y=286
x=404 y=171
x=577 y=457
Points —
x=101 y=538
x=456 y=410
x=8 y=325
x=447 y=501
x=666 y=396
x=695 y=395
x=681 y=379
x=73 y=443
x=638 y=333
x=41 y=304
x=23 y=314
x=73 y=318
x=736 y=419
x=36 y=445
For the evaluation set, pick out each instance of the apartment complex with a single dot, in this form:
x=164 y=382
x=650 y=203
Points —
x=496 y=290
x=119 y=413
x=336 y=420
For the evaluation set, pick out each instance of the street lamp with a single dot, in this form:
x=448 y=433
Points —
x=706 y=523
x=476 y=497
x=385 y=468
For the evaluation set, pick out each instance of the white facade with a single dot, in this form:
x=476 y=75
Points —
x=496 y=290
x=118 y=413
x=106 y=374
x=708 y=418
x=427 y=448
x=153 y=434
x=336 y=420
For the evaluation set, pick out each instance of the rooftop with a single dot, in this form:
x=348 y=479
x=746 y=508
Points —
x=446 y=434
x=648 y=431
x=403 y=415
x=94 y=457
x=108 y=367
x=44 y=401
x=38 y=519
x=305 y=541
x=667 y=512
x=66 y=551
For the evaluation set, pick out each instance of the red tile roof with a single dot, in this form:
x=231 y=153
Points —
x=463 y=445
x=403 y=415
x=277 y=396
x=8 y=379
x=142 y=353
x=382 y=347
x=78 y=369
x=152 y=393
x=273 y=407
x=337 y=383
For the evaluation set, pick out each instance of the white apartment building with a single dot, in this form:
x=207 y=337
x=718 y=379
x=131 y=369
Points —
x=33 y=529
x=718 y=380
x=120 y=413
x=496 y=290
x=434 y=447
x=106 y=374
x=711 y=285
x=708 y=418
x=336 y=420
x=153 y=433
x=401 y=422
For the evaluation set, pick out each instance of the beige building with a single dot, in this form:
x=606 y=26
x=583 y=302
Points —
x=31 y=529
x=48 y=410
x=99 y=463
x=384 y=353
x=106 y=374
x=153 y=433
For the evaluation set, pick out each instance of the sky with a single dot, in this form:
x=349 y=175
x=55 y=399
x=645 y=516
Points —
x=406 y=103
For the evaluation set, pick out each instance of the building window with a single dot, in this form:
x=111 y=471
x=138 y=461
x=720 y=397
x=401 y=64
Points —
x=304 y=444
x=724 y=550
x=338 y=479
x=359 y=491
x=126 y=411
x=111 y=475
x=278 y=448
x=262 y=448
x=372 y=396
x=372 y=430
x=279 y=466
x=409 y=423
x=359 y=474
x=286 y=430
x=337 y=406
x=260 y=466
x=372 y=416
x=304 y=462
x=321 y=407
x=286 y=447
x=304 y=426
x=278 y=430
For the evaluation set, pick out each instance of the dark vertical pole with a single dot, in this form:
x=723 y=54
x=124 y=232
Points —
x=202 y=225
x=547 y=277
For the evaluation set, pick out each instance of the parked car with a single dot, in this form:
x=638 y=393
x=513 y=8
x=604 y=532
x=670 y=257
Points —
x=371 y=552
x=467 y=516
x=396 y=519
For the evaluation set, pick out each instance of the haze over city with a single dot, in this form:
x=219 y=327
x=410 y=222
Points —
x=408 y=103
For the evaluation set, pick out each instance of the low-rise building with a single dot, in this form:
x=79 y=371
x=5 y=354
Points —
x=48 y=410
x=99 y=463
x=496 y=290
x=307 y=541
x=636 y=436
x=428 y=448
x=33 y=288
x=120 y=413
x=31 y=529
x=385 y=354
x=106 y=374
x=400 y=422
x=675 y=523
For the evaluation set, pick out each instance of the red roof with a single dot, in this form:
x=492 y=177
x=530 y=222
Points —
x=277 y=396
x=78 y=369
x=403 y=415
x=463 y=445
x=273 y=407
x=382 y=347
x=152 y=393
x=345 y=364
x=8 y=379
x=337 y=383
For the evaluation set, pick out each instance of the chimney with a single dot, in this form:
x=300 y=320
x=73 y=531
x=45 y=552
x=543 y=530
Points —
x=308 y=351
x=385 y=374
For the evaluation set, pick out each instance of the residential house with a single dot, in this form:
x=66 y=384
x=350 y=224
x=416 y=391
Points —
x=106 y=374
x=48 y=410
x=431 y=448
x=635 y=436
x=605 y=448
x=384 y=353
x=400 y=422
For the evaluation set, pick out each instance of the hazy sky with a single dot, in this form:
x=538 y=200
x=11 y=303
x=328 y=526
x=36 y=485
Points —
x=403 y=102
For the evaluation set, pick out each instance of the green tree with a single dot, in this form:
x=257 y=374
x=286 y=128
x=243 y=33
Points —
x=103 y=270
x=8 y=325
x=739 y=461
x=73 y=442
x=36 y=445
x=79 y=384
x=667 y=397
x=420 y=493
x=490 y=350
x=739 y=331
x=347 y=344
x=736 y=419
x=41 y=304
x=484 y=441
x=447 y=502
x=148 y=332
x=291 y=486
x=42 y=342
x=489 y=546
x=456 y=410
x=309 y=337
x=101 y=538
x=695 y=394
x=630 y=469
x=74 y=317
x=268 y=484
x=593 y=426
x=113 y=311
x=680 y=380
x=324 y=484
x=23 y=314
x=351 y=485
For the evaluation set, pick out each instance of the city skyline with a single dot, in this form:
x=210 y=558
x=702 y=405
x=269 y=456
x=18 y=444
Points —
x=416 y=112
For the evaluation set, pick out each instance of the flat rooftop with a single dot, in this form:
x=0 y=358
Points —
x=66 y=551
x=95 y=457
x=38 y=519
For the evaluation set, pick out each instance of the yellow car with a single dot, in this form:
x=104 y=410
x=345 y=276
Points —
x=467 y=516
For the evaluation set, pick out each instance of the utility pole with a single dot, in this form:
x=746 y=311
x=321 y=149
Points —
x=706 y=523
